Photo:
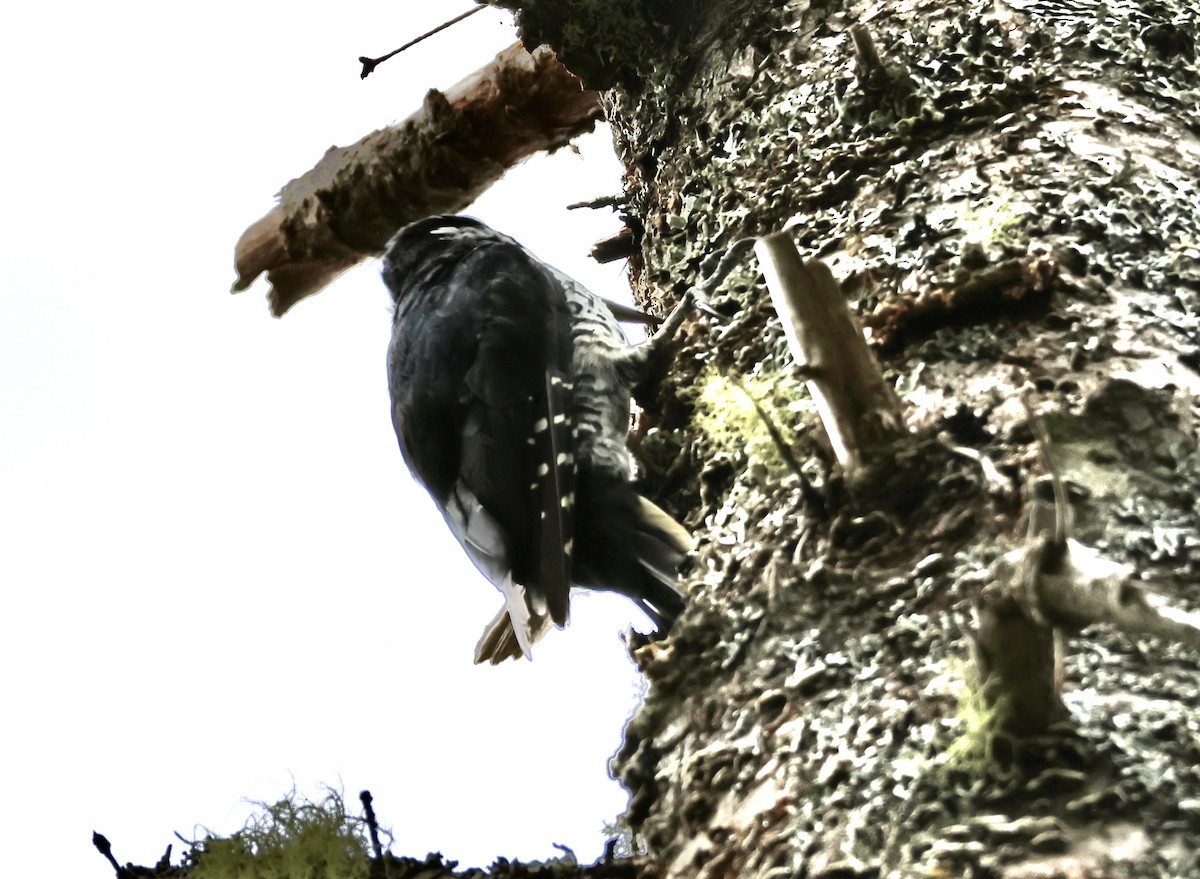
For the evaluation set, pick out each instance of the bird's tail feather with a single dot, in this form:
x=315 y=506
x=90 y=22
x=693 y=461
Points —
x=660 y=544
x=500 y=641
x=626 y=544
x=629 y=545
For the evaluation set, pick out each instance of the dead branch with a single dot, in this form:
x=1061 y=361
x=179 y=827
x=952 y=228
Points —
x=1093 y=589
x=372 y=824
x=619 y=246
x=607 y=201
x=1019 y=620
x=1050 y=585
x=858 y=409
x=100 y=841
x=439 y=160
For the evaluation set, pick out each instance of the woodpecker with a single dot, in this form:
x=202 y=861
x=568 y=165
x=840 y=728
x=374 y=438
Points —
x=510 y=387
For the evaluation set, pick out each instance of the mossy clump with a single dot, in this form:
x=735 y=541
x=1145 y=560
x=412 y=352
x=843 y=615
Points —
x=993 y=222
x=290 y=839
x=981 y=718
x=739 y=415
x=603 y=42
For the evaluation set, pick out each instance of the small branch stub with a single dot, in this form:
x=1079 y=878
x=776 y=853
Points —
x=864 y=49
x=1019 y=660
x=100 y=841
x=1073 y=586
x=1051 y=585
x=372 y=824
x=858 y=409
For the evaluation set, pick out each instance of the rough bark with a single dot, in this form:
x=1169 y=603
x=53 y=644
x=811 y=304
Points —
x=1009 y=199
x=439 y=160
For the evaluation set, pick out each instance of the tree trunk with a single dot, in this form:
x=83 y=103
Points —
x=1008 y=196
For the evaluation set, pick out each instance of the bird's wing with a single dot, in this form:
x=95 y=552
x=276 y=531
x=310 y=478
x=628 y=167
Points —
x=480 y=348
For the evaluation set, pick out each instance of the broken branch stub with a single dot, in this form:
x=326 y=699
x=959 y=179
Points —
x=1099 y=590
x=858 y=409
x=1041 y=590
x=1018 y=652
x=438 y=160
x=1019 y=661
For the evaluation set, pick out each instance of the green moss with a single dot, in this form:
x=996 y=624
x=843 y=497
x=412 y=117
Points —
x=601 y=41
x=996 y=221
x=732 y=424
x=980 y=724
x=290 y=839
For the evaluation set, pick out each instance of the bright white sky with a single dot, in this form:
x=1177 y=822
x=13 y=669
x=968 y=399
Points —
x=217 y=576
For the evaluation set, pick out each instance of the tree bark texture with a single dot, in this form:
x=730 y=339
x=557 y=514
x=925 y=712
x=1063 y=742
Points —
x=1009 y=198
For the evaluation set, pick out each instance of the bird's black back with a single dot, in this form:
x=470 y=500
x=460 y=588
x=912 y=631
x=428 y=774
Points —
x=507 y=400
x=478 y=323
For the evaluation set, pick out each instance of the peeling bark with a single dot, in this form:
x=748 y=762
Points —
x=439 y=160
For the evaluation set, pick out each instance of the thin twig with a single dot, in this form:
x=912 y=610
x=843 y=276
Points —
x=807 y=490
x=636 y=360
x=781 y=445
x=607 y=201
x=1042 y=436
x=699 y=296
x=369 y=64
x=372 y=824
x=100 y=841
